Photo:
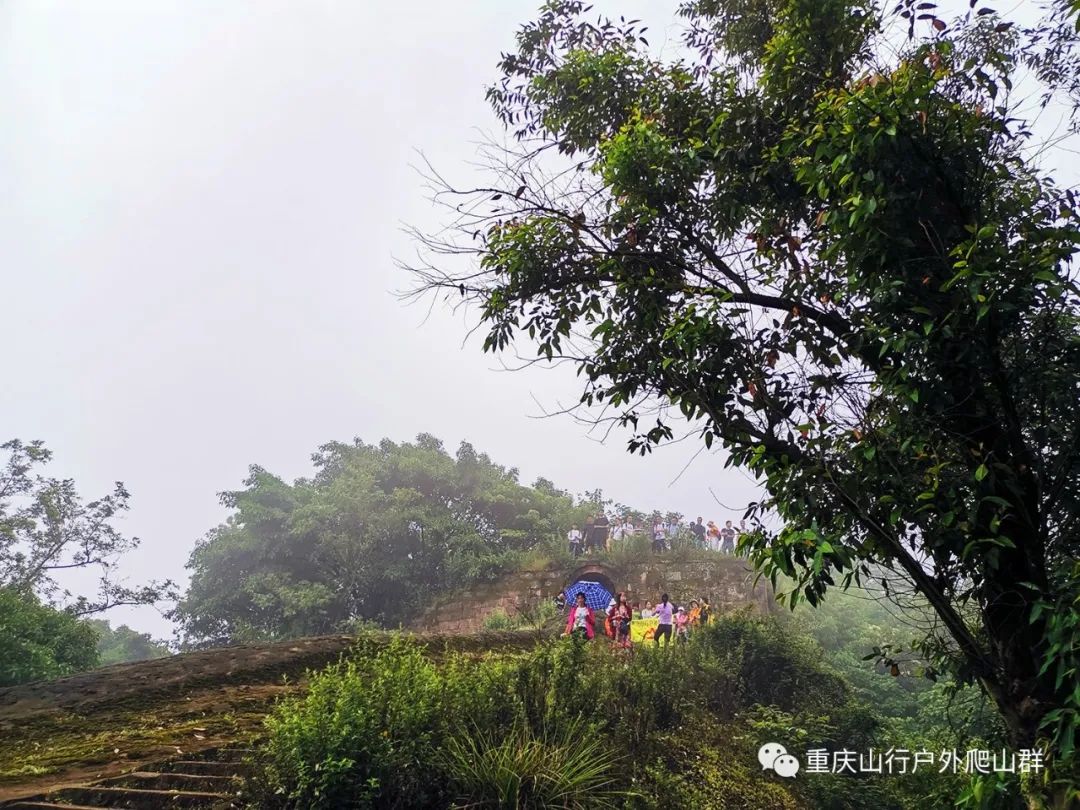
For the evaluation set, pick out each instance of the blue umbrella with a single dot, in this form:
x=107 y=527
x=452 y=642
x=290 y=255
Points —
x=596 y=595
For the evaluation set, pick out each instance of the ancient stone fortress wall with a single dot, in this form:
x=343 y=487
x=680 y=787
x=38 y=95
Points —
x=725 y=581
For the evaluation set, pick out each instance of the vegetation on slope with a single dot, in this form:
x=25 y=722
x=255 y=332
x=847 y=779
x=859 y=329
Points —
x=675 y=727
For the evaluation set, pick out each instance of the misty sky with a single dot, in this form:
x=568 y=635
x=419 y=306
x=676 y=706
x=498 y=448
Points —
x=202 y=205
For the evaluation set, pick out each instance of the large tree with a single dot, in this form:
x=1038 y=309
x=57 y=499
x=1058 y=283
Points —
x=373 y=536
x=822 y=238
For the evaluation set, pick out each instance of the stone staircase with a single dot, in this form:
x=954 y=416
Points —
x=211 y=780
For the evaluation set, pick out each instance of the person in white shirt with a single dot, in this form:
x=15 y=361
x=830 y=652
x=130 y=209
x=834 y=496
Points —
x=574 y=538
x=659 y=538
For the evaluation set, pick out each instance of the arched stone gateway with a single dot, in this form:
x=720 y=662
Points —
x=727 y=582
x=595 y=572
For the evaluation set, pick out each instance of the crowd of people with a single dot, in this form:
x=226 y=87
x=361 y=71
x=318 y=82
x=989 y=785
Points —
x=673 y=622
x=600 y=534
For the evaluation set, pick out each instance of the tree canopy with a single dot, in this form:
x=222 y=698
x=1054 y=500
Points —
x=37 y=641
x=822 y=238
x=372 y=536
x=47 y=529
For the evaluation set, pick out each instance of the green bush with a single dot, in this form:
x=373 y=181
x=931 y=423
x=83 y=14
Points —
x=759 y=661
x=498 y=620
x=364 y=735
x=38 y=641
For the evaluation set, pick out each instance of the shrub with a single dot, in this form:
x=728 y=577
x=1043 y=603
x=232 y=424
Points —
x=364 y=735
x=756 y=660
x=569 y=767
x=498 y=620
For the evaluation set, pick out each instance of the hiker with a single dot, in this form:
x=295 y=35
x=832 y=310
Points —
x=682 y=625
x=659 y=543
x=665 y=612
x=560 y=601
x=699 y=533
x=712 y=532
x=694 y=614
x=580 y=620
x=727 y=538
x=600 y=532
x=623 y=614
x=706 y=611
x=609 y=620
x=647 y=611
x=617 y=532
x=574 y=538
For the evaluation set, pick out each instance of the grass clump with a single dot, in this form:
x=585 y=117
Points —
x=525 y=770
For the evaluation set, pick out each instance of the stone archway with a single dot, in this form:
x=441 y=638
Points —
x=594 y=572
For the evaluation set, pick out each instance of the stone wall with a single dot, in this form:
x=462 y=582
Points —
x=727 y=583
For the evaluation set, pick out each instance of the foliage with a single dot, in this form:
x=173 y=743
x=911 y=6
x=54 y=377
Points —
x=829 y=248
x=521 y=769
x=544 y=615
x=46 y=528
x=377 y=532
x=498 y=620
x=680 y=722
x=37 y=641
x=122 y=644
x=913 y=711
x=363 y=736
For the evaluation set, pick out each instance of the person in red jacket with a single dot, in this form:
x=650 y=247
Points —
x=609 y=621
x=580 y=620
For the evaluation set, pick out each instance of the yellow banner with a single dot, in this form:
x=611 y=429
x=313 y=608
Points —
x=643 y=629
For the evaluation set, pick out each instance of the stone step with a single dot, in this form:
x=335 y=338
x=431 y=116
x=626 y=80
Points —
x=204 y=767
x=225 y=754
x=183 y=780
x=140 y=799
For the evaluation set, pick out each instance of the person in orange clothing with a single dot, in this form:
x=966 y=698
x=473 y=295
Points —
x=694 y=614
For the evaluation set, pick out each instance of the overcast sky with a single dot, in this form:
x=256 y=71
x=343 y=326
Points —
x=202 y=205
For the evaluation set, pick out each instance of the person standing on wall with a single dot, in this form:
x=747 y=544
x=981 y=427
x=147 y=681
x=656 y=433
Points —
x=713 y=534
x=699 y=533
x=574 y=538
x=587 y=534
x=600 y=532
x=727 y=535
x=659 y=544
x=665 y=613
